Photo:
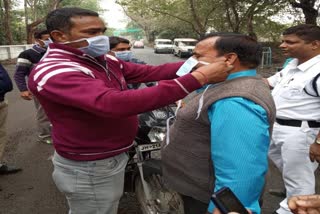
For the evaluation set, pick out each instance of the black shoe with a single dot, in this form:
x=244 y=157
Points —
x=278 y=192
x=4 y=169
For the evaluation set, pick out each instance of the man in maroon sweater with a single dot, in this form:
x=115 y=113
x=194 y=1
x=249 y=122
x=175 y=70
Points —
x=93 y=115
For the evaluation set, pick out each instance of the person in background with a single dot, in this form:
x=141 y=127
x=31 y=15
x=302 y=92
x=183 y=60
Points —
x=305 y=204
x=296 y=94
x=5 y=86
x=121 y=48
x=84 y=92
x=25 y=62
x=221 y=137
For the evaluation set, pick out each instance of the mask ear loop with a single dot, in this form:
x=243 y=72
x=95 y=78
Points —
x=168 y=122
x=201 y=102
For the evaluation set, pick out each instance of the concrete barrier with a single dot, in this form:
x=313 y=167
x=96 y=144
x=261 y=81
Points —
x=8 y=52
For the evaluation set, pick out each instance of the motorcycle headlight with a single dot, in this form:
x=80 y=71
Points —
x=157 y=134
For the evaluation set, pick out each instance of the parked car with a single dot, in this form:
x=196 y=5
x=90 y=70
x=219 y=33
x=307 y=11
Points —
x=163 y=46
x=138 y=44
x=183 y=47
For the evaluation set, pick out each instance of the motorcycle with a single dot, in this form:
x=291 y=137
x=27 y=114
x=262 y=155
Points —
x=143 y=173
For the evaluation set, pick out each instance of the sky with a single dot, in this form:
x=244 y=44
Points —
x=114 y=15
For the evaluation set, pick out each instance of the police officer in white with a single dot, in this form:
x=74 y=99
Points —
x=296 y=90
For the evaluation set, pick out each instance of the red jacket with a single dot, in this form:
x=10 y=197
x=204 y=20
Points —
x=93 y=114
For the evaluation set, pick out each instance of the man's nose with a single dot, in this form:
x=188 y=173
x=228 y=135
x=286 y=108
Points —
x=282 y=45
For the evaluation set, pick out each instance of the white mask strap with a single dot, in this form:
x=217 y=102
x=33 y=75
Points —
x=201 y=102
x=168 y=122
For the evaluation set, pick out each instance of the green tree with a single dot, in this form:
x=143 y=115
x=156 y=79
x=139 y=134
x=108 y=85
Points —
x=310 y=9
x=36 y=10
x=194 y=14
x=6 y=6
x=200 y=16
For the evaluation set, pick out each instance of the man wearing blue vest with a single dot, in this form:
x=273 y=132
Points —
x=221 y=137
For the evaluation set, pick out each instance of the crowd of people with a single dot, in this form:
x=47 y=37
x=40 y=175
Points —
x=79 y=80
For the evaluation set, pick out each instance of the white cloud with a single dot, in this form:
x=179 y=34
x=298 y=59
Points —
x=114 y=15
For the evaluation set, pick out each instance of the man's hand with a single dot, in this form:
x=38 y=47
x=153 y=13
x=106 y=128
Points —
x=305 y=204
x=314 y=151
x=26 y=95
x=215 y=72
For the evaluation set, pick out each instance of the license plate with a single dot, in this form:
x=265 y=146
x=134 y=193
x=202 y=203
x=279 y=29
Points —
x=149 y=147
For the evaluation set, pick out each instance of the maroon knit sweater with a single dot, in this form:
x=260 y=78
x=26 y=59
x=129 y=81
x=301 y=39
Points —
x=93 y=114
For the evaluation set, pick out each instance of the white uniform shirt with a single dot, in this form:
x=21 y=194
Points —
x=292 y=102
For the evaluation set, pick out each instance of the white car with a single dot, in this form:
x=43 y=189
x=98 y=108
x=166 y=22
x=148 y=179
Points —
x=183 y=47
x=163 y=46
x=138 y=44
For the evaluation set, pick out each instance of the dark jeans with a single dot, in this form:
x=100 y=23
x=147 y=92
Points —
x=193 y=206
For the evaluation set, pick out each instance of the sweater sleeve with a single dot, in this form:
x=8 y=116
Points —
x=137 y=73
x=23 y=69
x=74 y=88
x=5 y=81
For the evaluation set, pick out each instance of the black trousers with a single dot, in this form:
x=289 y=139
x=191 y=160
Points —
x=193 y=206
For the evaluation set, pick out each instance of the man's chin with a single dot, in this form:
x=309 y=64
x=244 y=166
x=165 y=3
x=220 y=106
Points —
x=285 y=53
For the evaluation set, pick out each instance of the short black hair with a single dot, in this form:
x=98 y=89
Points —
x=115 y=40
x=248 y=50
x=39 y=33
x=60 y=19
x=306 y=32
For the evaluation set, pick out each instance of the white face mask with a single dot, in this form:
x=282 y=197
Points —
x=188 y=65
x=46 y=43
x=98 y=45
x=124 y=55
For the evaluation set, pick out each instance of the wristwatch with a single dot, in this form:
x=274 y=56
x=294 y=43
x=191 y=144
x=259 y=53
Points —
x=317 y=141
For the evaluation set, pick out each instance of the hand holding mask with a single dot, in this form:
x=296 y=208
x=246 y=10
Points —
x=217 y=71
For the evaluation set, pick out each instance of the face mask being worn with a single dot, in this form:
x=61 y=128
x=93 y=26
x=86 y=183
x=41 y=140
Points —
x=124 y=55
x=187 y=66
x=46 y=43
x=98 y=45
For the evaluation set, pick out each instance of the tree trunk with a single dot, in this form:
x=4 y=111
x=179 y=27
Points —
x=232 y=15
x=30 y=28
x=201 y=29
x=7 y=28
x=310 y=16
x=307 y=6
x=250 y=28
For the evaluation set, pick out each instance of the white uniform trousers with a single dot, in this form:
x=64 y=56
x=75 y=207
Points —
x=289 y=150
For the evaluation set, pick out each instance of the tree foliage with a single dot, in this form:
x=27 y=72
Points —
x=20 y=23
x=169 y=18
x=174 y=18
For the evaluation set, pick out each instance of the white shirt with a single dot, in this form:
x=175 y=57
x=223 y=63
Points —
x=292 y=102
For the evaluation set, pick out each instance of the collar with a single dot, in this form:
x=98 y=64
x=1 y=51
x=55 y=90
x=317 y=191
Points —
x=74 y=51
x=244 y=73
x=306 y=65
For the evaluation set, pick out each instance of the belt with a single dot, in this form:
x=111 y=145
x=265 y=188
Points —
x=297 y=123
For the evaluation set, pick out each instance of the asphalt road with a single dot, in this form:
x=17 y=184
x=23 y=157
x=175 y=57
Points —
x=32 y=191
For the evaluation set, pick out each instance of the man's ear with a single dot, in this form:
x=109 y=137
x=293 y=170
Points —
x=58 y=36
x=315 y=45
x=231 y=58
